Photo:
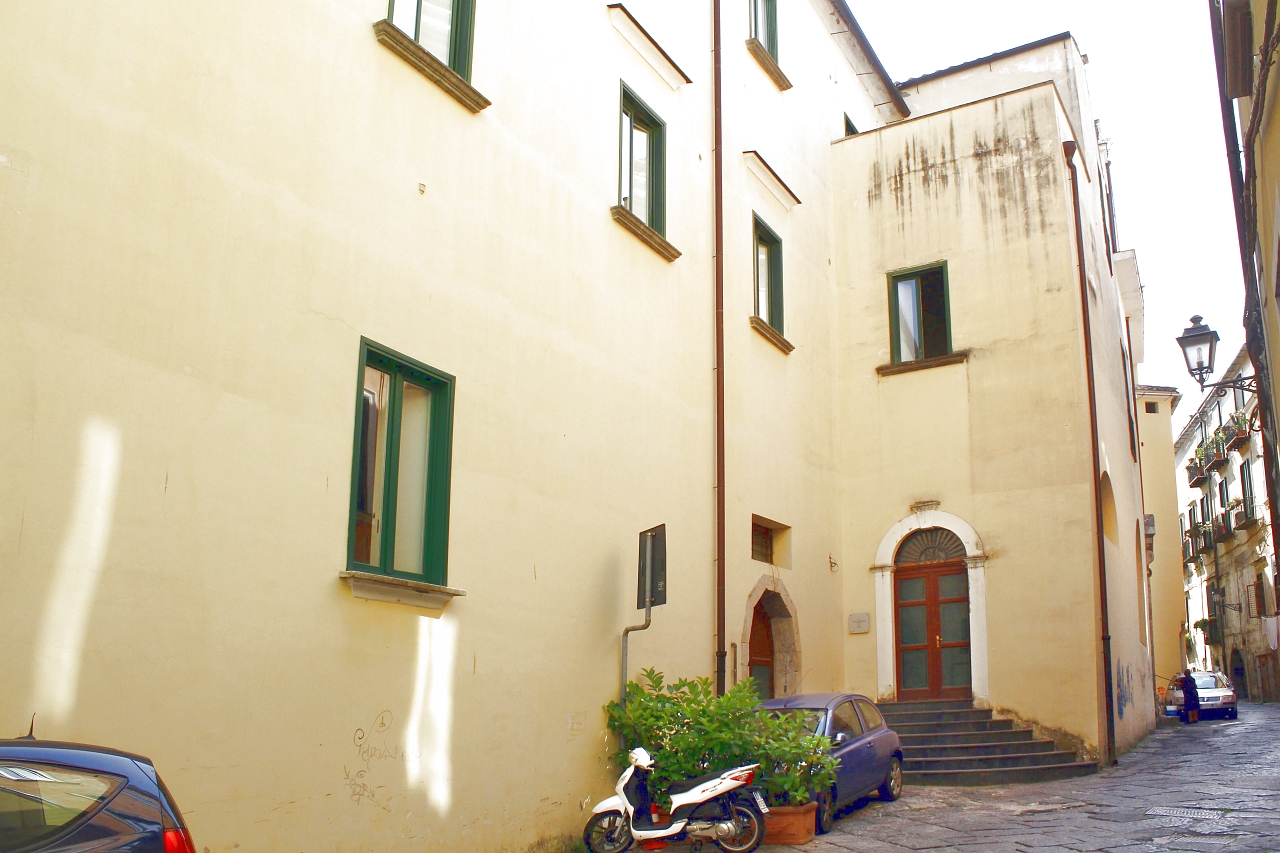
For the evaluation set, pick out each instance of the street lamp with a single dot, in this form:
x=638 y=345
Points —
x=1199 y=348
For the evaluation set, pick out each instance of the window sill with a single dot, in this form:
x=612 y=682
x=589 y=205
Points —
x=374 y=587
x=769 y=64
x=647 y=235
x=771 y=335
x=399 y=43
x=957 y=357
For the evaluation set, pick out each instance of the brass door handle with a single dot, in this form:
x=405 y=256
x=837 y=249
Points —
x=937 y=641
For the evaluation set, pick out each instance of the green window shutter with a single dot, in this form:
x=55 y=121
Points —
x=461 y=38
x=775 y=286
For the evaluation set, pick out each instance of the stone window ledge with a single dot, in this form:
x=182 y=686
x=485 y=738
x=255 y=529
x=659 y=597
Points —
x=768 y=63
x=957 y=357
x=375 y=587
x=771 y=335
x=647 y=235
x=399 y=43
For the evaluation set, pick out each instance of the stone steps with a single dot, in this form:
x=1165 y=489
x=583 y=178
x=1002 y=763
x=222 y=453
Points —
x=952 y=743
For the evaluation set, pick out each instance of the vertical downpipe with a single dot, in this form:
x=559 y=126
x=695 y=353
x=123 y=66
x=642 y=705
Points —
x=1069 y=149
x=718 y=179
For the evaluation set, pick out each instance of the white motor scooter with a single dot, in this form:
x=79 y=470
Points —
x=724 y=808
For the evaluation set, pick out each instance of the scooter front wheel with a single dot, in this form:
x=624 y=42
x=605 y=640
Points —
x=607 y=832
x=750 y=831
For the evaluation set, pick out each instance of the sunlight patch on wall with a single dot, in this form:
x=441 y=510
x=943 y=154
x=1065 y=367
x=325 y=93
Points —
x=428 y=762
x=78 y=570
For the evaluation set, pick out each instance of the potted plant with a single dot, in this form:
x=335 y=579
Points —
x=689 y=731
x=1215 y=451
x=1237 y=430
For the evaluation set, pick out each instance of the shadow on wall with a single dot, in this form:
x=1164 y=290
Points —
x=60 y=651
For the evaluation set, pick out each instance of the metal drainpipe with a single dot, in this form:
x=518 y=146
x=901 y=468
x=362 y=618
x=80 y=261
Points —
x=718 y=168
x=648 y=614
x=1069 y=149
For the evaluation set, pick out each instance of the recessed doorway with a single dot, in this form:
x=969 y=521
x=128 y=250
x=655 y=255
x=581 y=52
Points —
x=931 y=600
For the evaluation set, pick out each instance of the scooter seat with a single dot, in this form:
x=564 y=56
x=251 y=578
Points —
x=689 y=784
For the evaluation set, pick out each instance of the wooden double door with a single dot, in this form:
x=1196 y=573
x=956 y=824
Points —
x=931 y=604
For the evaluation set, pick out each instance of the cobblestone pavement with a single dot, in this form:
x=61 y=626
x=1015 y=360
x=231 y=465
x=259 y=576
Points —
x=1213 y=786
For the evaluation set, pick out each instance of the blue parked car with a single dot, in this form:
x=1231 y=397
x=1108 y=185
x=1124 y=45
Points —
x=71 y=797
x=869 y=753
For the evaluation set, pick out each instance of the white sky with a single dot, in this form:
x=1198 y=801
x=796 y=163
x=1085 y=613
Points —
x=1153 y=86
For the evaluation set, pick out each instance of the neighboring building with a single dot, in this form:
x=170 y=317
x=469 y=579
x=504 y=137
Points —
x=345 y=353
x=1246 y=43
x=982 y=425
x=1228 y=548
x=1165 y=564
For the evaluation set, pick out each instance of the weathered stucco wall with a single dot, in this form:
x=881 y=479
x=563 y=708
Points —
x=194 y=235
x=1001 y=440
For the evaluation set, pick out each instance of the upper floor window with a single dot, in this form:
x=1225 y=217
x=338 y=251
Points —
x=443 y=27
x=764 y=24
x=642 y=165
x=768 y=274
x=849 y=129
x=1238 y=394
x=400 y=476
x=919 y=318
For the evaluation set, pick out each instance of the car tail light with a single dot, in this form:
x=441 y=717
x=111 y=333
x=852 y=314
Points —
x=178 y=841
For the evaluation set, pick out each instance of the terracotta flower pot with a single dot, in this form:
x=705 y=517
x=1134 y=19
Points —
x=790 y=824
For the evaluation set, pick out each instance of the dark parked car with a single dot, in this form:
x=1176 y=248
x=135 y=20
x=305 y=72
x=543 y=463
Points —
x=869 y=753
x=72 y=797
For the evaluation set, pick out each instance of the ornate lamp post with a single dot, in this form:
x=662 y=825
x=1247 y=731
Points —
x=1199 y=348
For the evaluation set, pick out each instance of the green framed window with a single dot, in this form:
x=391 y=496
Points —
x=400 y=472
x=849 y=129
x=443 y=27
x=764 y=24
x=919 y=314
x=642 y=162
x=768 y=275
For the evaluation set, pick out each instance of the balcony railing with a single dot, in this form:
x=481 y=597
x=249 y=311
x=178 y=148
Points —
x=1188 y=550
x=1195 y=474
x=1215 y=454
x=1222 y=529
x=1246 y=516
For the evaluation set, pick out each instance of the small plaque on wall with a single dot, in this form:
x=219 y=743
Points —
x=859 y=623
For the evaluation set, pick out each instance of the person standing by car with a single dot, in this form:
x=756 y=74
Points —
x=1190 y=699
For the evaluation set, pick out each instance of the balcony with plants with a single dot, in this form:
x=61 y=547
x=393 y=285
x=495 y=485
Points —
x=1196 y=475
x=1215 y=452
x=1235 y=432
x=1243 y=514
x=1222 y=529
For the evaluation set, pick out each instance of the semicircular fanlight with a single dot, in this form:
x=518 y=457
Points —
x=932 y=545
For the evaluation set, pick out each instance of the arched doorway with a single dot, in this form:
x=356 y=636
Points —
x=760 y=652
x=770 y=650
x=1238 y=677
x=931 y=606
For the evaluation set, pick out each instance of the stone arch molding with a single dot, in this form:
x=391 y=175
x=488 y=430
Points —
x=926 y=515
x=784 y=619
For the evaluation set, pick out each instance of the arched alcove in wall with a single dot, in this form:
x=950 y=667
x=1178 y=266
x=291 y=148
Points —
x=770 y=603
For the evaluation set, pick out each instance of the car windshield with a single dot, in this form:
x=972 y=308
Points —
x=811 y=717
x=1208 y=681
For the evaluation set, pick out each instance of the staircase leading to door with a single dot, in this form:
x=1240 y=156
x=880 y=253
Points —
x=954 y=743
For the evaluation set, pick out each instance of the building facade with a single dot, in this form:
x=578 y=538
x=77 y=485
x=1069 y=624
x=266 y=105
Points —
x=1164 y=531
x=354 y=344
x=1228 y=547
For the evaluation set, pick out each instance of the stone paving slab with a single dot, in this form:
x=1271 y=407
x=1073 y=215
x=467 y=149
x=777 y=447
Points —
x=1226 y=770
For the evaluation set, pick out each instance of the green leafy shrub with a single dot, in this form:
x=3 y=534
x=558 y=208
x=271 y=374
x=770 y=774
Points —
x=689 y=731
